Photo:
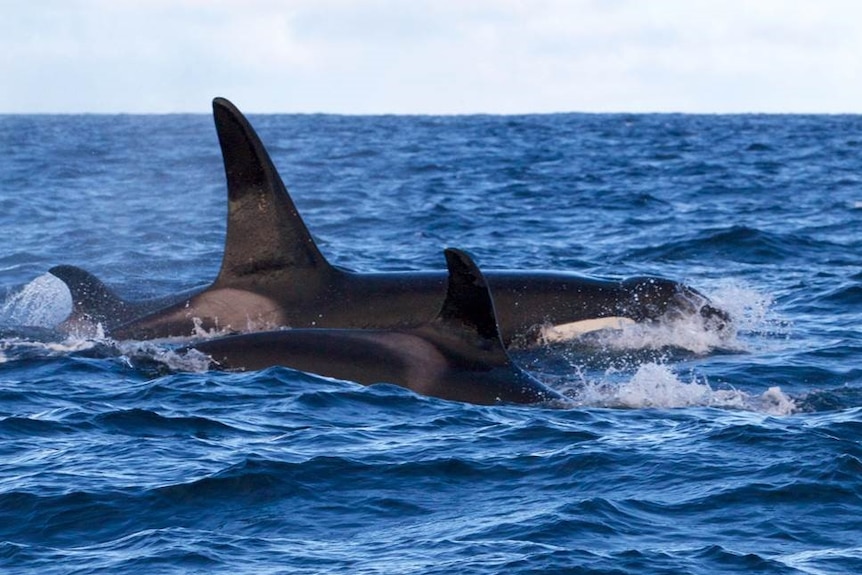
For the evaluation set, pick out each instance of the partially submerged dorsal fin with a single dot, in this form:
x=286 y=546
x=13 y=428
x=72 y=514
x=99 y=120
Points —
x=265 y=233
x=468 y=308
x=91 y=298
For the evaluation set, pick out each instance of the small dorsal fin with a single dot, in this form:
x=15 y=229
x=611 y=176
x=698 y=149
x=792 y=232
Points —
x=468 y=306
x=91 y=298
x=265 y=233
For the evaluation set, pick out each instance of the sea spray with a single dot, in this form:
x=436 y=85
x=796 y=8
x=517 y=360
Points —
x=751 y=313
x=655 y=385
x=44 y=302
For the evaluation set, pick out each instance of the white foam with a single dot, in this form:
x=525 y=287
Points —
x=655 y=385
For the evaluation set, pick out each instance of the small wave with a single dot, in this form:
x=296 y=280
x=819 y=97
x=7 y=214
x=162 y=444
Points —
x=736 y=243
x=841 y=398
x=156 y=550
x=13 y=426
x=831 y=560
x=148 y=423
x=845 y=295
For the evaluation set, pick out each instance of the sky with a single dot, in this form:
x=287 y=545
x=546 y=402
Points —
x=431 y=56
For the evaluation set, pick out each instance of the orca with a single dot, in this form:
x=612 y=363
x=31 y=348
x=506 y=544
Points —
x=273 y=275
x=458 y=355
x=95 y=305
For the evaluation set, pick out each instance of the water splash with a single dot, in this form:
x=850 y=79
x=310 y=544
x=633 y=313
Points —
x=751 y=312
x=29 y=345
x=655 y=385
x=44 y=302
x=158 y=355
x=687 y=334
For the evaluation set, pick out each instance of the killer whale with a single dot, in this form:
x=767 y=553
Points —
x=273 y=274
x=95 y=305
x=458 y=355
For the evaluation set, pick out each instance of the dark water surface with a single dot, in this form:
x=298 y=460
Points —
x=684 y=454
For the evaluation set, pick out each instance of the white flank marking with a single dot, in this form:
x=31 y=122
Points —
x=568 y=331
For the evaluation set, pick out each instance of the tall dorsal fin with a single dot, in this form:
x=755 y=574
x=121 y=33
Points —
x=468 y=308
x=265 y=233
x=92 y=300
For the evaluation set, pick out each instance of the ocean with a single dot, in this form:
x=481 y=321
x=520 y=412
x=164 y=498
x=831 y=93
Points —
x=681 y=452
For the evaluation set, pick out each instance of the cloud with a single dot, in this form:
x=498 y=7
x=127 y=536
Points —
x=434 y=56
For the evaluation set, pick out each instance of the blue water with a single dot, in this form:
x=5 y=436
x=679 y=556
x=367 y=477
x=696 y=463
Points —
x=683 y=454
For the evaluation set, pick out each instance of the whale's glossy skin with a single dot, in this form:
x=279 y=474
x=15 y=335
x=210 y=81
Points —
x=274 y=275
x=458 y=355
